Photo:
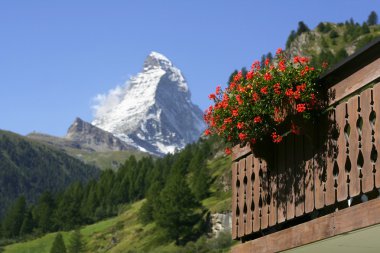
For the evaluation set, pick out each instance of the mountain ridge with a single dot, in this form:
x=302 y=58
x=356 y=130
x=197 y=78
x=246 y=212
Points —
x=146 y=115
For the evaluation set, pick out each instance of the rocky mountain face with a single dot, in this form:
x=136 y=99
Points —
x=153 y=111
x=88 y=136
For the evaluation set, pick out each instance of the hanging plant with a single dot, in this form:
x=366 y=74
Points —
x=266 y=102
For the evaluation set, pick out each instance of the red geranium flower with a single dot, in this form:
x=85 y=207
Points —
x=277 y=88
x=207 y=132
x=289 y=92
x=257 y=119
x=240 y=125
x=267 y=76
x=255 y=97
x=242 y=136
x=217 y=91
x=264 y=90
x=276 y=138
x=301 y=107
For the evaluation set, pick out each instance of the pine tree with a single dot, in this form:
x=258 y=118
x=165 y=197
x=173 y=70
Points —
x=43 y=212
x=302 y=28
x=14 y=218
x=200 y=179
x=151 y=203
x=67 y=213
x=321 y=27
x=76 y=243
x=178 y=210
x=262 y=61
x=231 y=78
x=365 y=28
x=333 y=34
x=58 y=245
x=27 y=224
x=341 y=54
x=291 y=38
x=372 y=18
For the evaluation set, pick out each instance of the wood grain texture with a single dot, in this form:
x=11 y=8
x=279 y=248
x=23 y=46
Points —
x=354 y=146
x=299 y=169
x=238 y=151
x=330 y=163
x=376 y=106
x=249 y=194
x=256 y=196
x=356 y=81
x=342 y=188
x=289 y=158
x=241 y=230
x=309 y=176
x=367 y=180
x=318 y=229
x=264 y=195
x=234 y=200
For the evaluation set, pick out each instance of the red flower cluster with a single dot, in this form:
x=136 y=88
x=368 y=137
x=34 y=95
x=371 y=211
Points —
x=258 y=103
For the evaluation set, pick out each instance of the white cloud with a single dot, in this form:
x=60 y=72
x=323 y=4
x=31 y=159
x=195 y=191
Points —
x=105 y=103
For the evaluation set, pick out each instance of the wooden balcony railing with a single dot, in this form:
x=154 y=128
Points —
x=306 y=175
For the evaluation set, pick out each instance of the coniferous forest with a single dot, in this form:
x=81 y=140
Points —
x=173 y=186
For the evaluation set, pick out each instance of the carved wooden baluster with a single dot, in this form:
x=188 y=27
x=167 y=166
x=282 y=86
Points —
x=309 y=173
x=273 y=193
x=319 y=158
x=281 y=183
x=353 y=147
x=376 y=132
x=342 y=155
x=242 y=203
x=360 y=158
x=372 y=121
x=366 y=141
x=264 y=194
x=332 y=167
x=289 y=157
x=299 y=172
x=235 y=200
x=256 y=195
x=249 y=192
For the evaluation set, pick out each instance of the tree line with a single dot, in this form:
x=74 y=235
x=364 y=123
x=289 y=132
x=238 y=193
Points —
x=173 y=186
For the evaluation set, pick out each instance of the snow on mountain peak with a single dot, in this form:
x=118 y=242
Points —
x=157 y=60
x=153 y=110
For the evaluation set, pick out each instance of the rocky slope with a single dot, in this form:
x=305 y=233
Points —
x=88 y=136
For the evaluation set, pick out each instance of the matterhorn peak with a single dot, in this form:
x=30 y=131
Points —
x=153 y=111
x=156 y=60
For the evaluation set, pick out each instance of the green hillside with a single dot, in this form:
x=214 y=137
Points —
x=29 y=168
x=126 y=233
x=103 y=160
x=330 y=42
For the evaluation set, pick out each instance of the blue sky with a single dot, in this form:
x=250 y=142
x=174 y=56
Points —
x=56 y=56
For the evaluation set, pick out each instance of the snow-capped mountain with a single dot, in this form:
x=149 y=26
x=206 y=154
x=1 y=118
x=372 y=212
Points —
x=153 y=110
